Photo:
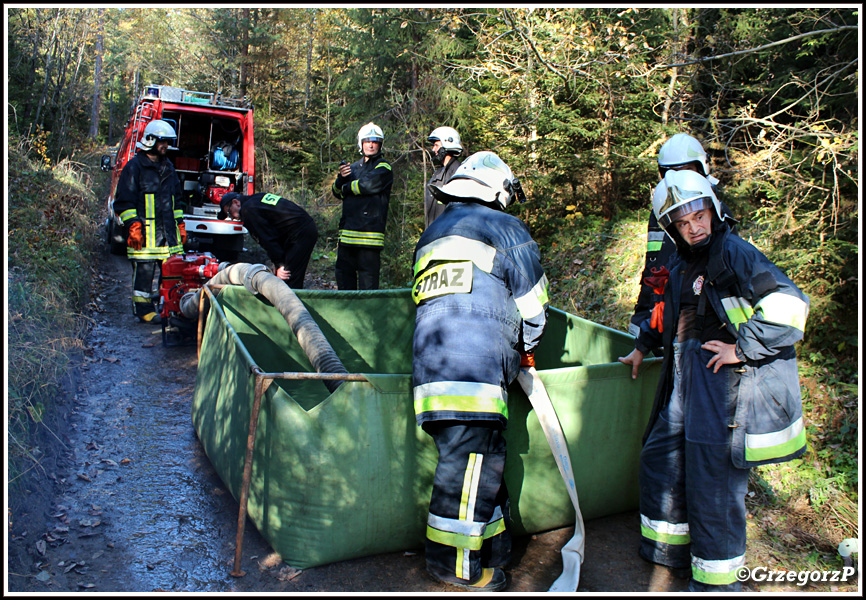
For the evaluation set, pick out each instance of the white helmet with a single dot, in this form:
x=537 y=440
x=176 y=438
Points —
x=483 y=177
x=370 y=131
x=155 y=130
x=681 y=193
x=449 y=138
x=682 y=149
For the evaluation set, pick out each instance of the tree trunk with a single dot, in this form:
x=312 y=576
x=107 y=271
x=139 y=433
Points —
x=134 y=89
x=31 y=75
x=607 y=147
x=308 y=76
x=679 y=24
x=49 y=63
x=531 y=99
x=110 y=112
x=245 y=49
x=68 y=97
x=674 y=58
x=97 y=77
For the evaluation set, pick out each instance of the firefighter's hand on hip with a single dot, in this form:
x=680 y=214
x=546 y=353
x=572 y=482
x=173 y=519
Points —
x=283 y=273
x=726 y=354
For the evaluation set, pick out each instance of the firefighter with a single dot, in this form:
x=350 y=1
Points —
x=284 y=229
x=364 y=187
x=147 y=190
x=481 y=297
x=680 y=151
x=728 y=398
x=446 y=147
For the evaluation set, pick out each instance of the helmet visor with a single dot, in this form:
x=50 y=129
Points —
x=678 y=212
x=687 y=166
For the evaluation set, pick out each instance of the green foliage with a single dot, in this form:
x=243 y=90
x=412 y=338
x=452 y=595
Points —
x=593 y=266
x=576 y=101
x=51 y=237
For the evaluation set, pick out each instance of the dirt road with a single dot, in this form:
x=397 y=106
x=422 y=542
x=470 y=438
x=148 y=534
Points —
x=126 y=501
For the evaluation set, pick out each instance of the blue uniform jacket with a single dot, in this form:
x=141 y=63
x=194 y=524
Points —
x=482 y=299
x=766 y=312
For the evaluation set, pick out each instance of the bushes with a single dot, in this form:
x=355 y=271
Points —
x=51 y=235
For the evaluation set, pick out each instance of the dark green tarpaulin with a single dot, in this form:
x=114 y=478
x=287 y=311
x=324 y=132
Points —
x=348 y=474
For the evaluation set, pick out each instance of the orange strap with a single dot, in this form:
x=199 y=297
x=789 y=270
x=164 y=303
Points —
x=657 y=282
x=657 y=316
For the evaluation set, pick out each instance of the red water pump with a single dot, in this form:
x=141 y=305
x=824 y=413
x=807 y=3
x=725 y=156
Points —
x=182 y=274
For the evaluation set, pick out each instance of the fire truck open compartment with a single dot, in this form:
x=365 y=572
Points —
x=199 y=135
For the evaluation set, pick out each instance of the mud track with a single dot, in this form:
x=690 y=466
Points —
x=126 y=500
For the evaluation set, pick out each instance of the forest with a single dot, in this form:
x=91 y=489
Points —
x=577 y=101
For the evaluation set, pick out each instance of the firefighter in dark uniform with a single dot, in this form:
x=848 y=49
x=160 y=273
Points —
x=365 y=190
x=728 y=398
x=680 y=151
x=282 y=228
x=481 y=297
x=145 y=198
x=446 y=147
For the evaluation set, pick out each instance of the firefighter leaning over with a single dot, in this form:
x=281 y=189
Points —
x=145 y=202
x=482 y=308
x=728 y=397
x=364 y=187
x=282 y=228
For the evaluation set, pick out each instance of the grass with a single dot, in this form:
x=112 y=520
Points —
x=594 y=267
x=51 y=238
x=798 y=511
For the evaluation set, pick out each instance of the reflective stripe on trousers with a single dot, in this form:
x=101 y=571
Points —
x=692 y=498
x=142 y=286
x=467 y=526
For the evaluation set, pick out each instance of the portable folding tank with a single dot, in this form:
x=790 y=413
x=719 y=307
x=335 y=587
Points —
x=348 y=474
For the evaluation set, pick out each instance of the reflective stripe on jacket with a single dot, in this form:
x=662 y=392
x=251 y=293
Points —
x=767 y=314
x=146 y=192
x=482 y=298
x=365 y=195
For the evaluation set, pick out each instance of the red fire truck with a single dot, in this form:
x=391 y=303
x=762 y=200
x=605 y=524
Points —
x=213 y=155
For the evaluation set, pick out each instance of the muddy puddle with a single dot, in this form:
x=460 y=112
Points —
x=135 y=505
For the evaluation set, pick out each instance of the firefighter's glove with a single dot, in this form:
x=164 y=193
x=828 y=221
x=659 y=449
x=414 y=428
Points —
x=527 y=359
x=181 y=227
x=657 y=282
x=135 y=239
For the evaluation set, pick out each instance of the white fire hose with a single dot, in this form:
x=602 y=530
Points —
x=572 y=552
